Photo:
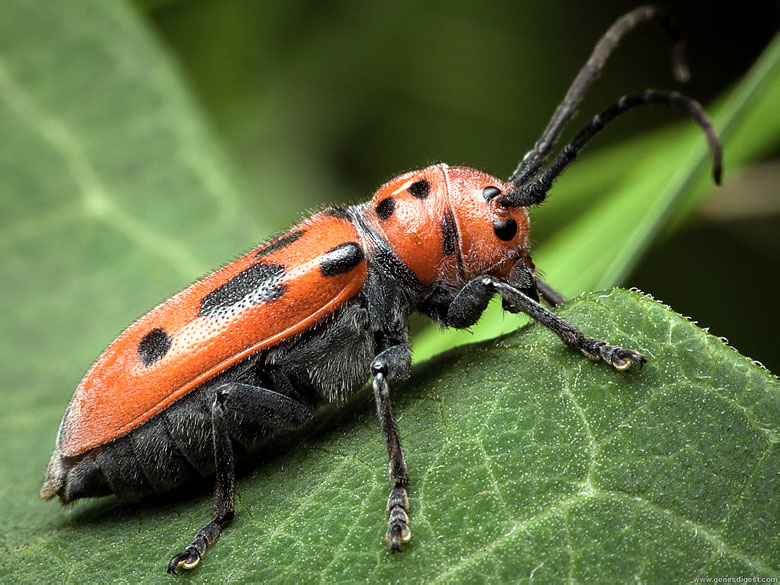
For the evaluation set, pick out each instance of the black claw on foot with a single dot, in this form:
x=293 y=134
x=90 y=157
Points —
x=187 y=559
x=398 y=530
x=397 y=533
x=190 y=556
x=623 y=358
x=617 y=357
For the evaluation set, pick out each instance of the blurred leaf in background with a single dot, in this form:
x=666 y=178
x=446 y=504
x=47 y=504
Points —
x=147 y=144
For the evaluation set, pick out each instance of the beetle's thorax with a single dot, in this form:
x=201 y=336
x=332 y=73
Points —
x=439 y=222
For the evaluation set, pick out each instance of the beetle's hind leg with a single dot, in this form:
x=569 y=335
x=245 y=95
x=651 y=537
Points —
x=472 y=300
x=269 y=408
x=393 y=363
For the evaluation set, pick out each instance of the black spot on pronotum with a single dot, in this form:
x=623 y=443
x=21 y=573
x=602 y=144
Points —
x=154 y=346
x=385 y=208
x=420 y=189
x=505 y=229
x=490 y=193
x=257 y=284
x=449 y=233
x=341 y=259
x=280 y=243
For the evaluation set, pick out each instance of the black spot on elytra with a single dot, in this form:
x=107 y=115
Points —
x=385 y=208
x=257 y=284
x=341 y=259
x=280 y=243
x=505 y=229
x=449 y=233
x=154 y=346
x=420 y=189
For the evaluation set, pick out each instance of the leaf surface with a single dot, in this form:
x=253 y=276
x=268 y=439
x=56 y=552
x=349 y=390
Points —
x=527 y=461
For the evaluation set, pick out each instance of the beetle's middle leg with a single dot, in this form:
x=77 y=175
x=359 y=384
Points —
x=393 y=363
x=269 y=408
x=548 y=294
x=472 y=300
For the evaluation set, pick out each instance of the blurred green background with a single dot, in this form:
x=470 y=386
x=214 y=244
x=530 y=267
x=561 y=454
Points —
x=321 y=102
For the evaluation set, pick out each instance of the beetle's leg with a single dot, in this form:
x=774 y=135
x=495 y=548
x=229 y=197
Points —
x=471 y=301
x=393 y=363
x=224 y=493
x=267 y=407
x=549 y=295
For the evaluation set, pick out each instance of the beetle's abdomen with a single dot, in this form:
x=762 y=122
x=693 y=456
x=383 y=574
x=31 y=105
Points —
x=155 y=457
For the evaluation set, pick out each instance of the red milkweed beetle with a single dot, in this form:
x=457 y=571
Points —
x=303 y=320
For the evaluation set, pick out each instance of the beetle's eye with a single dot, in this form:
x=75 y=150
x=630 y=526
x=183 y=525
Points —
x=490 y=192
x=505 y=229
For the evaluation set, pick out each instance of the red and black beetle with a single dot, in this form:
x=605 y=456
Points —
x=259 y=345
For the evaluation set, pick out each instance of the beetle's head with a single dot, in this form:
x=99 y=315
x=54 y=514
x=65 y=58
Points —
x=493 y=238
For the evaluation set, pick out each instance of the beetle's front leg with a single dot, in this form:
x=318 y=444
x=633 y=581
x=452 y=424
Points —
x=472 y=300
x=392 y=364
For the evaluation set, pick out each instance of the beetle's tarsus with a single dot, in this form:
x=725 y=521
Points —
x=188 y=559
x=206 y=536
x=398 y=530
x=617 y=357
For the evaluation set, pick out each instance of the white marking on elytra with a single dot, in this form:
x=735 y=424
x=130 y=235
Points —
x=405 y=186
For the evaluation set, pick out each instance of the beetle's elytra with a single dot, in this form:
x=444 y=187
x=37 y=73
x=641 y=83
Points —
x=306 y=318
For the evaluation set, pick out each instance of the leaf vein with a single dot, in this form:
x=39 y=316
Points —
x=710 y=536
x=94 y=194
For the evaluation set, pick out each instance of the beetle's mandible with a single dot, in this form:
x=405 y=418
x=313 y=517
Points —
x=259 y=345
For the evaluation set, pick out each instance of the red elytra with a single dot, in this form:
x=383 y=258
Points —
x=120 y=392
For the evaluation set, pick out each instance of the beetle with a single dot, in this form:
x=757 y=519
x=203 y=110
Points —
x=304 y=319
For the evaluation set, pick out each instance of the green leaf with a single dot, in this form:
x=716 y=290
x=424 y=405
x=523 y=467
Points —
x=112 y=195
x=644 y=184
x=571 y=470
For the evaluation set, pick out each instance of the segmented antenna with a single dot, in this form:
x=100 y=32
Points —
x=536 y=158
x=535 y=192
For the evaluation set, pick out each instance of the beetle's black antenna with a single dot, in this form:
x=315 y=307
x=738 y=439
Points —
x=535 y=192
x=536 y=159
